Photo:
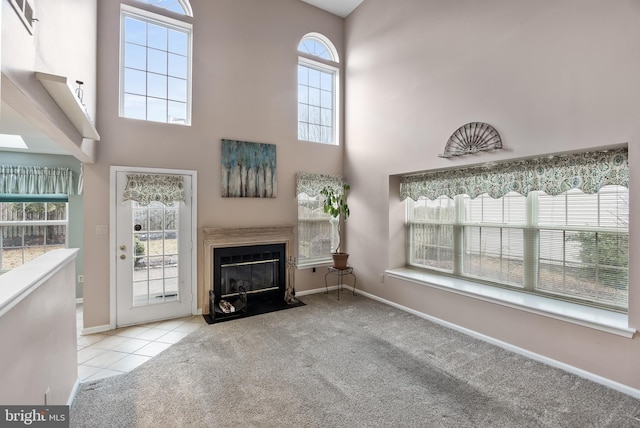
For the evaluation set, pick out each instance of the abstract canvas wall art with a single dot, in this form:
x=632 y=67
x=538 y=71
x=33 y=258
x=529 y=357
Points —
x=248 y=170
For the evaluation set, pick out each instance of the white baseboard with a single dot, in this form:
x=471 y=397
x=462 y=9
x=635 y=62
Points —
x=79 y=301
x=532 y=355
x=315 y=291
x=96 y=329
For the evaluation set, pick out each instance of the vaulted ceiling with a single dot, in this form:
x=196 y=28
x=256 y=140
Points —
x=338 y=7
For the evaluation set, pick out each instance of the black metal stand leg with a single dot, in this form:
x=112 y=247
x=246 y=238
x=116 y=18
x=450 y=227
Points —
x=326 y=286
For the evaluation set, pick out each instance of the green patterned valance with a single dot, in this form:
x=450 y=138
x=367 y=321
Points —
x=312 y=184
x=553 y=175
x=35 y=180
x=147 y=188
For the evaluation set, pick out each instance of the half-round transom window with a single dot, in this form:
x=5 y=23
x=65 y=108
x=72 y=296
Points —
x=317 y=45
x=182 y=7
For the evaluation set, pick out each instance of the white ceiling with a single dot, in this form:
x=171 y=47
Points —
x=338 y=7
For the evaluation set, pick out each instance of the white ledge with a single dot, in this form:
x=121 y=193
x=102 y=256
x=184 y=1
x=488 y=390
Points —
x=18 y=283
x=598 y=319
x=63 y=94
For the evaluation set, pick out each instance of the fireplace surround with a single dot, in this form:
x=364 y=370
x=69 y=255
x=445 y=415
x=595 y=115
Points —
x=217 y=238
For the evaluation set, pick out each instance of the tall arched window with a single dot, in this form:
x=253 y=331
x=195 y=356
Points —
x=318 y=92
x=155 y=64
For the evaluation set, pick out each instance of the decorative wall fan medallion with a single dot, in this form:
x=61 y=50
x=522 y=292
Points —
x=472 y=138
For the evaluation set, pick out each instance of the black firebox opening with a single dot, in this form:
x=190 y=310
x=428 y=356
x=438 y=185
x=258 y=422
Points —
x=258 y=270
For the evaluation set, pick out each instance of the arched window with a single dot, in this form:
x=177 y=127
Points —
x=315 y=44
x=318 y=92
x=182 y=7
x=155 y=65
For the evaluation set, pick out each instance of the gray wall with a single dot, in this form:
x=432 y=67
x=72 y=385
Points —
x=39 y=339
x=244 y=88
x=551 y=76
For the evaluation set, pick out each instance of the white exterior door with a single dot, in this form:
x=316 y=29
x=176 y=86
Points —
x=153 y=257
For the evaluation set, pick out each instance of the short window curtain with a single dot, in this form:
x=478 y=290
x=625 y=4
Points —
x=35 y=180
x=554 y=175
x=312 y=184
x=147 y=188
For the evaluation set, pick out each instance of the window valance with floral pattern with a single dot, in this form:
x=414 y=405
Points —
x=312 y=184
x=35 y=180
x=147 y=188
x=553 y=175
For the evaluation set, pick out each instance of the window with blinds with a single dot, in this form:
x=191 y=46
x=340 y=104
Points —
x=317 y=231
x=572 y=246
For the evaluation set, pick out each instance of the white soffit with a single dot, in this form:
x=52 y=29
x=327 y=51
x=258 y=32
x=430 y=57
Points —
x=338 y=7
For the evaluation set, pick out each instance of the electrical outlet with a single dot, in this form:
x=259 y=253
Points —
x=80 y=278
x=102 y=229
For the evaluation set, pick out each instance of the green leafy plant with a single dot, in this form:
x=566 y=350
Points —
x=335 y=204
x=139 y=248
x=605 y=256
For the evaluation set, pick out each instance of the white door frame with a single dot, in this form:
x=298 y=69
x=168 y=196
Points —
x=112 y=232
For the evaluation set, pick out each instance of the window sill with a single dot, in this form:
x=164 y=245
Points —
x=598 y=319
x=313 y=265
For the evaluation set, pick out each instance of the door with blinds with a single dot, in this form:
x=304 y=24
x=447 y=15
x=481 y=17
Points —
x=153 y=246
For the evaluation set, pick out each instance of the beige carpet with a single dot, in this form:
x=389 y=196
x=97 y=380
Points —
x=348 y=363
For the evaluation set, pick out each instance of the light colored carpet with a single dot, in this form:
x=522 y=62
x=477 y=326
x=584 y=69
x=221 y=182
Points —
x=348 y=363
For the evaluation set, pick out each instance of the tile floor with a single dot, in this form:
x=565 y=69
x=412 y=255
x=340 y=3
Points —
x=119 y=351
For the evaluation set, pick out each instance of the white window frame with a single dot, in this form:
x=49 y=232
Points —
x=326 y=66
x=531 y=250
x=25 y=11
x=21 y=223
x=164 y=21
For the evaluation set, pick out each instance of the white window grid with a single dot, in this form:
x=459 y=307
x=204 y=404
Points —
x=317 y=102
x=45 y=245
x=166 y=93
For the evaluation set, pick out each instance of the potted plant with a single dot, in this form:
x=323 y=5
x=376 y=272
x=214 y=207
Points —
x=335 y=204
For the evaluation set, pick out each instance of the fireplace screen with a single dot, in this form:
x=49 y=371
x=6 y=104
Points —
x=255 y=269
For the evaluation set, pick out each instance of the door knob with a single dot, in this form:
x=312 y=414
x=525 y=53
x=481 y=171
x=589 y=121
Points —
x=122 y=256
x=123 y=247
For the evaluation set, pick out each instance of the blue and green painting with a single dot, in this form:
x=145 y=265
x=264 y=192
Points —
x=248 y=170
